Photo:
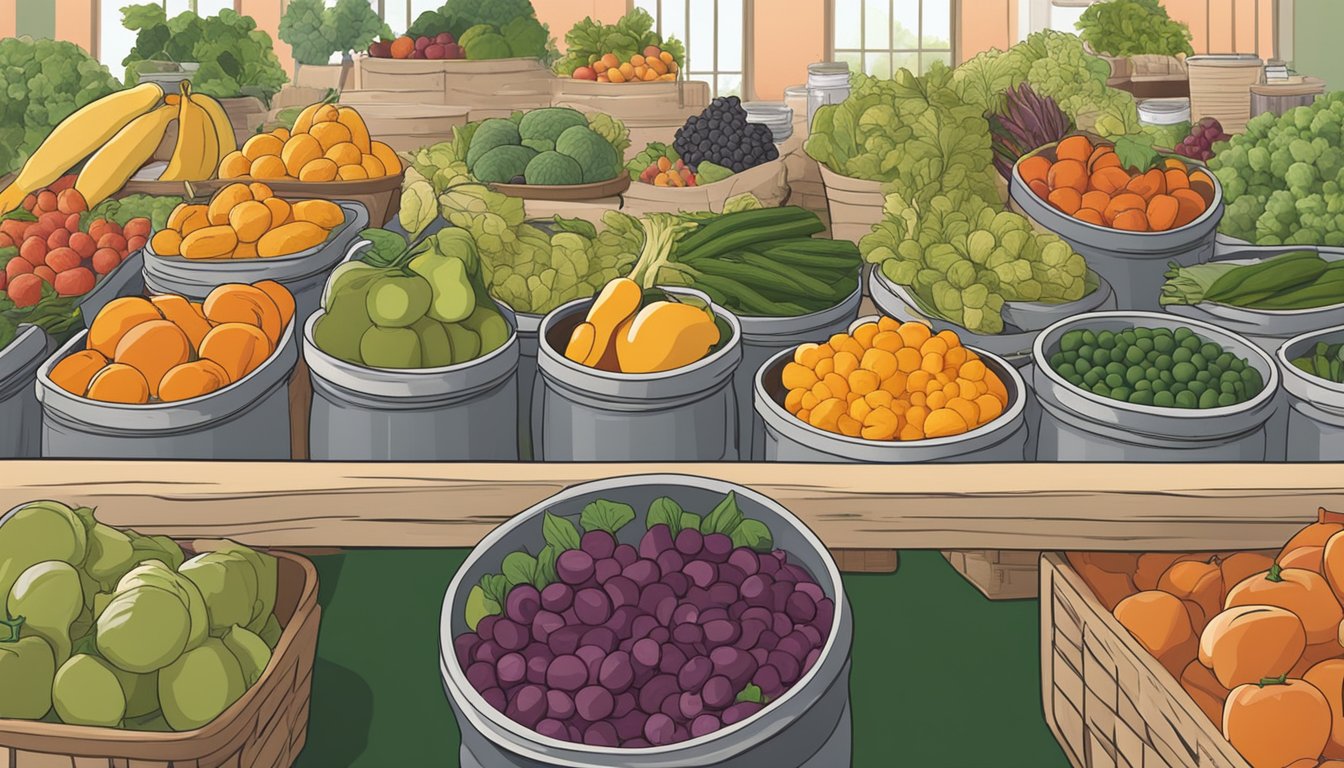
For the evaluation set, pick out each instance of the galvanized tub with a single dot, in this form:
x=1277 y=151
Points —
x=20 y=412
x=1082 y=426
x=583 y=414
x=808 y=727
x=1315 y=406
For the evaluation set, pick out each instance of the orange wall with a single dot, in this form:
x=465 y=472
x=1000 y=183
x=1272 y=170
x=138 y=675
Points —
x=9 y=10
x=267 y=14
x=561 y=15
x=1213 y=24
x=74 y=22
x=787 y=37
x=985 y=24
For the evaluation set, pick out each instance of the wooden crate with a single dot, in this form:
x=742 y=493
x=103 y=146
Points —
x=999 y=574
x=266 y=728
x=1107 y=699
x=493 y=88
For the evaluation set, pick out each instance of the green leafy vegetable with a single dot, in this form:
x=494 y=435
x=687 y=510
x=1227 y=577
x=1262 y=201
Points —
x=1133 y=27
x=546 y=574
x=725 y=518
x=588 y=40
x=496 y=587
x=752 y=694
x=559 y=532
x=1136 y=152
x=302 y=27
x=665 y=511
x=519 y=568
x=708 y=173
x=753 y=534
x=515 y=21
x=386 y=249
x=156 y=208
x=650 y=155
x=236 y=58
x=609 y=516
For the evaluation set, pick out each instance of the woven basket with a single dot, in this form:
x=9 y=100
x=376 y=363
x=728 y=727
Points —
x=266 y=728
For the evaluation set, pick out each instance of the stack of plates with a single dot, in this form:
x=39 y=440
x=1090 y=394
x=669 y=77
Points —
x=775 y=114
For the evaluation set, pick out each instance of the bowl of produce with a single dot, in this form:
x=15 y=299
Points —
x=713 y=630
x=1268 y=294
x=553 y=153
x=1146 y=385
x=891 y=392
x=1128 y=209
x=629 y=51
x=463 y=29
x=166 y=377
x=132 y=648
x=1313 y=376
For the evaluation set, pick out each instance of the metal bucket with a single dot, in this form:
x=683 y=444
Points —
x=1315 y=406
x=20 y=412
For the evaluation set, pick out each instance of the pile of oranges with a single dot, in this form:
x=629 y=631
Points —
x=327 y=143
x=168 y=349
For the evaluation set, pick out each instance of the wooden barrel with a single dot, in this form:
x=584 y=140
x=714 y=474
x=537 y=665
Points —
x=1220 y=87
x=407 y=127
x=1281 y=97
x=855 y=205
x=490 y=88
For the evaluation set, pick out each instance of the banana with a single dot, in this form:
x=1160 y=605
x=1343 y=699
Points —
x=305 y=119
x=196 y=155
x=220 y=119
x=77 y=136
x=112 y=166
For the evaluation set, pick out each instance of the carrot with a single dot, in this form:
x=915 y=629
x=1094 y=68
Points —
x=1176 y=180
x=1034 y=168
x=1173 y=164
x=1098 y=154
x=1106 y=160
x=1201 y=183
x=1066 y=199
x=1123 y=202
x=1074 y=148
x=1091 y=216
x=1068 y=173
x=1162 y=212
x=1131 y=220
x=1191 y=204
x=1109 y=180
x=1096 y=200
x=1039 y=187
x=1148 y=184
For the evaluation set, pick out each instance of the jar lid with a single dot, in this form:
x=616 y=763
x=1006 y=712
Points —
x=795 y=92
x=828 y=68
x=767 y=107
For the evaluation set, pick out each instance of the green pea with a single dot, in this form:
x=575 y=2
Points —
x=1191 y=343
x=1101 y=390
x=1163 y=343
x=1089 y=338
x=1225 y=360
x=1227 y=388
x=1056 y=360
x=1183 y=372
x=1199 y=361
x=1143 y=385
x=1167 y=377
x=1127 y=336
x=1164 y=362
x=1141 y=397
x=1215 y=370
x=1210 y=350
x=1164 y=399
x=1183 y=333
x=1186 y=400
x=1134 y=375
x=1143 y=333
x=1133 y=355
x=1121 y=393
x=1152 y=373
x=1114 y=380
x=1144 y=345
x=1238 y=364
x=1181 y=355
x=1160 y=385
x=1251 y=378
x=1115 y=368
x=1101 y=356
x=1071 y=341
x=1226 y=399
x=1178 y=388
x=1198 y=387
x=1204 y=377
x=1067 y=371
x=1209 y=399
x=1092 y=377
x=1082 y=365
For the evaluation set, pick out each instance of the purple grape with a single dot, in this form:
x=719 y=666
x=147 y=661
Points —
x=488 y=652
x=485 y=628
x=690 y=705
x=718 y=692
x=658 y=729
x=768 y=564
x=1212 y=133
x=622 y=619
x=656 y=540
x=644 y=624
x=553 y=729
x=733 y=664
x=800 y=607
x=592 y=659
x=689 y=542
x=599 y=544
x=758 y=613
x=781 y=624
x=750 y=634
x=605 y=569
x=760 y=655
x=670 y=561
x=825 y=616
x=557 y=597
x=767 y=679
x=694 y=674
x=673 y=660
x=495 y=697
x=511 y=635
x=779 y=595
x=567 y=673
x=811 y=660
x=699 y=597
x=723 y=593
x=768 y=640
x=642 y=572
x=660 y=635
x=511 y=669
x=601 y=735
x=574 y=566
x=671 y=706
x=655 y=690
x=811 y=633
x=704 y=725
x=798 y=572
x=736 y=610
x=688 y=634
x=636 y=744
x=481 y=675
x=594 y=703
x=701 y=573
x=731 y=574
x=646 y=653
x=788 y=666
x=617 y=673
x=717 y=547
x=630 y=725
x=601 y=637
x=592 y=606
x=740 y=711
x=559 y=705
x=713 y=613
x=463 y=645
x=745 y=560
x=544 y=623
x=522 y=603
x=677 y=581
x=625 y=555
x=755 y=590
x=812 y=590
x=536 y=668
x=721 y=632
x=621 y=591
x=565 y=640
x=625 y=703
x=575 y=734
x=528 y=705
x=795 y=644
x=658 y=600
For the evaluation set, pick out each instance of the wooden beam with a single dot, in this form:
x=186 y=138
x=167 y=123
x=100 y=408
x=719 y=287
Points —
x=1000 y=506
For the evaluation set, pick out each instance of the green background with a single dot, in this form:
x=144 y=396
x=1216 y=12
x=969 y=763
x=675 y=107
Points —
x=941 y=676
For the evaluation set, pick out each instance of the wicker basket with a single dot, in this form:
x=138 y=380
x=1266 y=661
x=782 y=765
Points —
x=266 y=728
x=1107 y=699
x=855 y=205
x=999 y=574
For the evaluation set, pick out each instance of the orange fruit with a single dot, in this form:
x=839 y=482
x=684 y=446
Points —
x=118 y=383
x=238 y=348
x=241 y=303
x=179 y=311
x=193 y=379
x=74 y=373
x=115 y=319
x=152 y=348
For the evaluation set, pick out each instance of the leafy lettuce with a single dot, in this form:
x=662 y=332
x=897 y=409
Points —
x=236 y=58
x=589 y=40
x=1132 y=28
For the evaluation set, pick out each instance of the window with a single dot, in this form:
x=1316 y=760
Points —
x=715 y=35
x=882 y=36
x=115 y=41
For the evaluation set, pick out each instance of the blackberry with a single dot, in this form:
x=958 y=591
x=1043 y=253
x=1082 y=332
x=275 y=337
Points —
x=722 y=135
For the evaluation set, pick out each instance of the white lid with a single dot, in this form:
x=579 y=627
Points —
x=828 y=68
x=1164 y=111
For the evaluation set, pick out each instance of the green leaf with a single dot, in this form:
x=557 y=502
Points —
x=519 y=568
x=690 y=520
x=1136 y=152
x=603 y=515
x=559 y=532
x=496 y=587
x=753 y=534
x=19 y=214
x=752 y=694
x=725 y=518
x=665 y=511
x=577 y=226
x=546 y=574
x=387 y=247
x=419 y=207
x=478 y=607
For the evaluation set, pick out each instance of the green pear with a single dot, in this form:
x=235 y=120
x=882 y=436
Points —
x=390 y=348
x=466 y=344
x=436 y=346
x=454 y=298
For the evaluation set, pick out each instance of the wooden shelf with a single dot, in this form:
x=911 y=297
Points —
x=999 y=506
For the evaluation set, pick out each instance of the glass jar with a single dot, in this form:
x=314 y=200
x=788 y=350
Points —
x=827 y=83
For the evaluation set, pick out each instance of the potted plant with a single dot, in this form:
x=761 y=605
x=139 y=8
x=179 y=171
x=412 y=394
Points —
x=315 y=32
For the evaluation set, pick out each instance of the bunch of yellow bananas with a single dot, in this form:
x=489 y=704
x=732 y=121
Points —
x=116 y=135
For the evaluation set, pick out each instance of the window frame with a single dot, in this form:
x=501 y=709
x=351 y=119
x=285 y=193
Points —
x=954 y=28
x=96 y=21
x=748 y=33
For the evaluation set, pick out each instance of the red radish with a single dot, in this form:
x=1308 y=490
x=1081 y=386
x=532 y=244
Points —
x=17 y=230
x=421 y=43
x=72 y=222
x=47 y=274
x=443 y=38
x=417 y=55
x=17 y=267
x=46 y=200
x=113 y=240
x=137 y=228
x=34 y=251
x=105 y=260
x=25 y=290
x=71 y=201
x=52 y=220
x=74 y=282
x=58 y=239
x=84 y=244
x=29 y=202
x=97 y=229
x=585 y=73
x=6 y=241
x=134 y=244
x=63 y=183
x=61 y=259
x=435 y=51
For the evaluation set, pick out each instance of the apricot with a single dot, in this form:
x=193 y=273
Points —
x=1152 y=565
x=250 y=220
x=1328 y=678
x=323 y=213
x=193 y=379
x=281 y=211
x=115 y=319
x=1332 y=565
x=1251 y=642
x=1197 y=581
x=284 y=300
x=225 y=200
x=179 y=311
x=238 y=348
x=1205 y=689
x=1304 y=593
x=1276 y=722
x=152 y=348
x=1161 y=624
x=118 y=383
x=240 y=303
x=74 y=373
x=1240 y=565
